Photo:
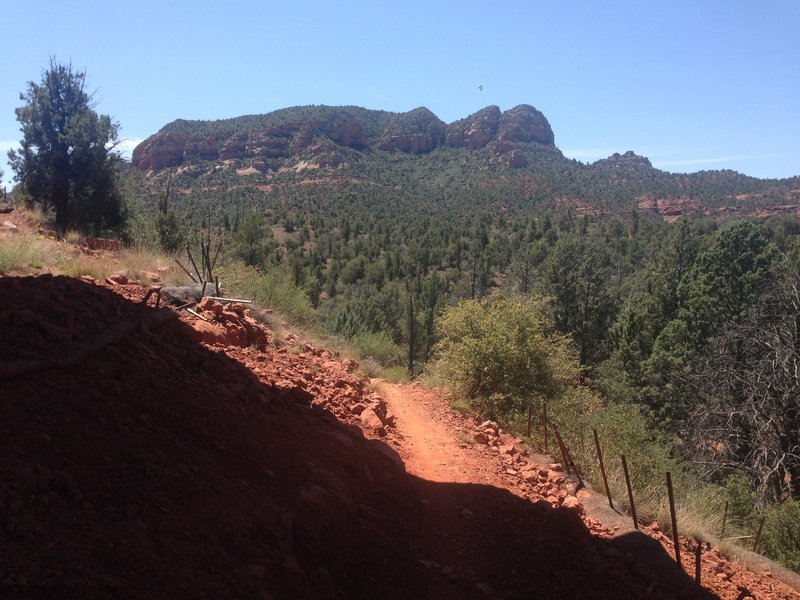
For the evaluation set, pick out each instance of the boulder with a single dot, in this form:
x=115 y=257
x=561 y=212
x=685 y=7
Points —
x=371 y=420
x=573 y=503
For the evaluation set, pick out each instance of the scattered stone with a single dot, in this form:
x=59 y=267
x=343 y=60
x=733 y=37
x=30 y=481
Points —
x=117 y=278
x=371 y=420
x=480 y=437
x=573 y=503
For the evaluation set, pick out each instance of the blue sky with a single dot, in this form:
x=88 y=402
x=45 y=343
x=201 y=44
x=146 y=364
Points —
x=692 y=85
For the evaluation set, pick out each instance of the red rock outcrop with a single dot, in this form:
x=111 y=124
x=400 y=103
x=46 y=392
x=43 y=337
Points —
x=669 y=209
x=524 y=123
x=297 y=131
x=418 y=132
x=629 y=160
x=164 y=149
x=475 y=131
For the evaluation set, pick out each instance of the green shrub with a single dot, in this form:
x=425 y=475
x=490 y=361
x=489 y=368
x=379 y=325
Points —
x=741 y=501
x=273 y=289
x=18 y=253
x=499 y=354
x=780 y=538
x=379 y=347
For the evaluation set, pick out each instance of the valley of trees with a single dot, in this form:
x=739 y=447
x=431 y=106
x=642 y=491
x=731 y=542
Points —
x=687 y=331
x=691 y=325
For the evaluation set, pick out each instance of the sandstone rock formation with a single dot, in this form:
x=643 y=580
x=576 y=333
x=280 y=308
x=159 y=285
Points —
x=476 y=130
x=418 y=132
x=164 y=149
x=629 y=160
x=319 y=134
x=524 y=123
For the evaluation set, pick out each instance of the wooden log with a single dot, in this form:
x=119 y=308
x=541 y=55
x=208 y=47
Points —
x=198 y=315
x=234 y=300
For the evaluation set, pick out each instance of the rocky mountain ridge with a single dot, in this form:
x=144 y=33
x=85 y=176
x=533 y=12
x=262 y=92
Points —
x=334 y=130
x=407 y=157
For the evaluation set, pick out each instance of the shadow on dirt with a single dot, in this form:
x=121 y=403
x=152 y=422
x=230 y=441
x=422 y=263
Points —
x=155 y=467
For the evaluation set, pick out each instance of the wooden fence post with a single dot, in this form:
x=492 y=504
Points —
x=602 y=466
x=545 y=426
x=674 y=520
x=630 y=492
x=758 y=535
x=724 y=520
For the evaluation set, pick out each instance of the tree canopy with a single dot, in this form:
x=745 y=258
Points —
x=66 y=160
x=501 y=354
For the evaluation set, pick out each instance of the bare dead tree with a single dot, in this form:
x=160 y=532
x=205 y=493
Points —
x=748 y=388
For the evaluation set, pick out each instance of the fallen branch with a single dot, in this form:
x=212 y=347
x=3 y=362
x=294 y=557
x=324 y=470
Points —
x=235 y=300
x=197 y=314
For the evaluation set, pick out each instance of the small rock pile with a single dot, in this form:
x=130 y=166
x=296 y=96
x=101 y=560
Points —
x=230 y=324
x=550 y=482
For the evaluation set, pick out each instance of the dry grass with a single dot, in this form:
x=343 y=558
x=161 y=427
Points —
x=25 y=250
x=73 y=237
x=461 y=406
x=395 y=374
x=19 y=253
x=136 y=261
x=76 y=266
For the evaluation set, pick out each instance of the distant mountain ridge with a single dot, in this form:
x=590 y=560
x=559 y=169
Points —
x=508 y=157
x=317 y=130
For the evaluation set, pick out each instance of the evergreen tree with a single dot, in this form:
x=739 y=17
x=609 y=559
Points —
x=66 y=159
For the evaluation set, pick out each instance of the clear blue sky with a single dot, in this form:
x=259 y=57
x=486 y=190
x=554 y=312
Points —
x=692 y=85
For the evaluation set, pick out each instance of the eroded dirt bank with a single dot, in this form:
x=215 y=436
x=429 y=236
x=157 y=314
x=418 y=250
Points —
x=161 y=462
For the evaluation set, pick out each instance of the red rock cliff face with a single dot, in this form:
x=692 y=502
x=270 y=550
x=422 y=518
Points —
x=418 y=132
x=476 y=130
x=164 y=149
x=524 y=123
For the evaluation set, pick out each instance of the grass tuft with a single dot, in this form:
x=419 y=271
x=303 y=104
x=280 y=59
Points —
x=18 y=253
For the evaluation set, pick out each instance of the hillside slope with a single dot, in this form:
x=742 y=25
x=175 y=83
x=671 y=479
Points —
x=511 y=154
x=141 y=461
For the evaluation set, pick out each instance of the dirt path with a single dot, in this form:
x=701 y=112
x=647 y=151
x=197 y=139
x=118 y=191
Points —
x=429 y=436
x=438 y=445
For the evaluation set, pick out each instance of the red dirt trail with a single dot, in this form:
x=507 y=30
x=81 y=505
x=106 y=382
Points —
x=145 y=455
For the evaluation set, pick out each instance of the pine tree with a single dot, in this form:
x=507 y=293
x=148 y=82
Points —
x=66 y=159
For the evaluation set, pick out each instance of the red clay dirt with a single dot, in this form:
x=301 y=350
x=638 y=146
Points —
x=142 y=456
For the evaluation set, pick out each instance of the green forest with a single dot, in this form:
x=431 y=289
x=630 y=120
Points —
x=686 y=331
x=554 y=284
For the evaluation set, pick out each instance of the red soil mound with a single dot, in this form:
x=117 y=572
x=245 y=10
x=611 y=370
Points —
x=137 y=463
